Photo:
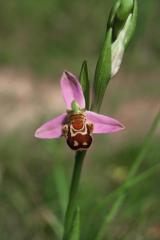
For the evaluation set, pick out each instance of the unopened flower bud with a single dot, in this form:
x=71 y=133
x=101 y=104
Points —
x=123 y=21
x=120 y=27
x=125 y=8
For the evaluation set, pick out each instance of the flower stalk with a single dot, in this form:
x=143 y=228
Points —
x=72 y=202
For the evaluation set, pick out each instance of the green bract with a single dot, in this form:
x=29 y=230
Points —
x=102 y=72
x=84 y=81
x=120 y=27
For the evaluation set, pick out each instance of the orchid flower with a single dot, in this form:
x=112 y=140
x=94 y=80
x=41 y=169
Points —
x=76 y=124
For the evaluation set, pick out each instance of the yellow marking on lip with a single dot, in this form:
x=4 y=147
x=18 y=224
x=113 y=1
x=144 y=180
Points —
x=74 y=132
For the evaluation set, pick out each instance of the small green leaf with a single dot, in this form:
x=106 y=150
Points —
x=75 y=228
x=102 y=72
x=84 y=80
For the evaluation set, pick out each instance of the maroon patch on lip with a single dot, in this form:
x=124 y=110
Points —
x=78 y=136
x=79 y=141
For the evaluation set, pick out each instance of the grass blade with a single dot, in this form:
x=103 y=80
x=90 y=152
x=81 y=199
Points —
x=75 y=230
x=121 y=193
x=61 y=187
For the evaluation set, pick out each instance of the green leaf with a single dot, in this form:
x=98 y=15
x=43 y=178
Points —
x=61 y=187
x=102 y=72
x=75 y=229
x=84 y=80
x=52 y=220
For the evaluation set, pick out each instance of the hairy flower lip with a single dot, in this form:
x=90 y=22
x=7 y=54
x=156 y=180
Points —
x=72 y=91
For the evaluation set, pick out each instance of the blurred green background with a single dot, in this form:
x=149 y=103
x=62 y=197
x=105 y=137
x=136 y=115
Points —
x=38 y=40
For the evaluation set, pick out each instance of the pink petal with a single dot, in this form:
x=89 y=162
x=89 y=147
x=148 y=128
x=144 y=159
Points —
x=103 y=124
x=72 y=90
x=52 y=128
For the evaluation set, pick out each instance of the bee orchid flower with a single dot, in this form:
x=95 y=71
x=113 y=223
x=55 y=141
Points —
x=77 y=124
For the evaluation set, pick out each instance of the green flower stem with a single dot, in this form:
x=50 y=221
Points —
x=71 y=207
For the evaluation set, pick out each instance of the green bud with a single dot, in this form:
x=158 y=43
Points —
x=125 y=9
x=84 y=81
x=118 y=48
x=119 y=14
x=124 y=19
x=120 y=27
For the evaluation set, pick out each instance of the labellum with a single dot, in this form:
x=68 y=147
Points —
x=78 y=130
